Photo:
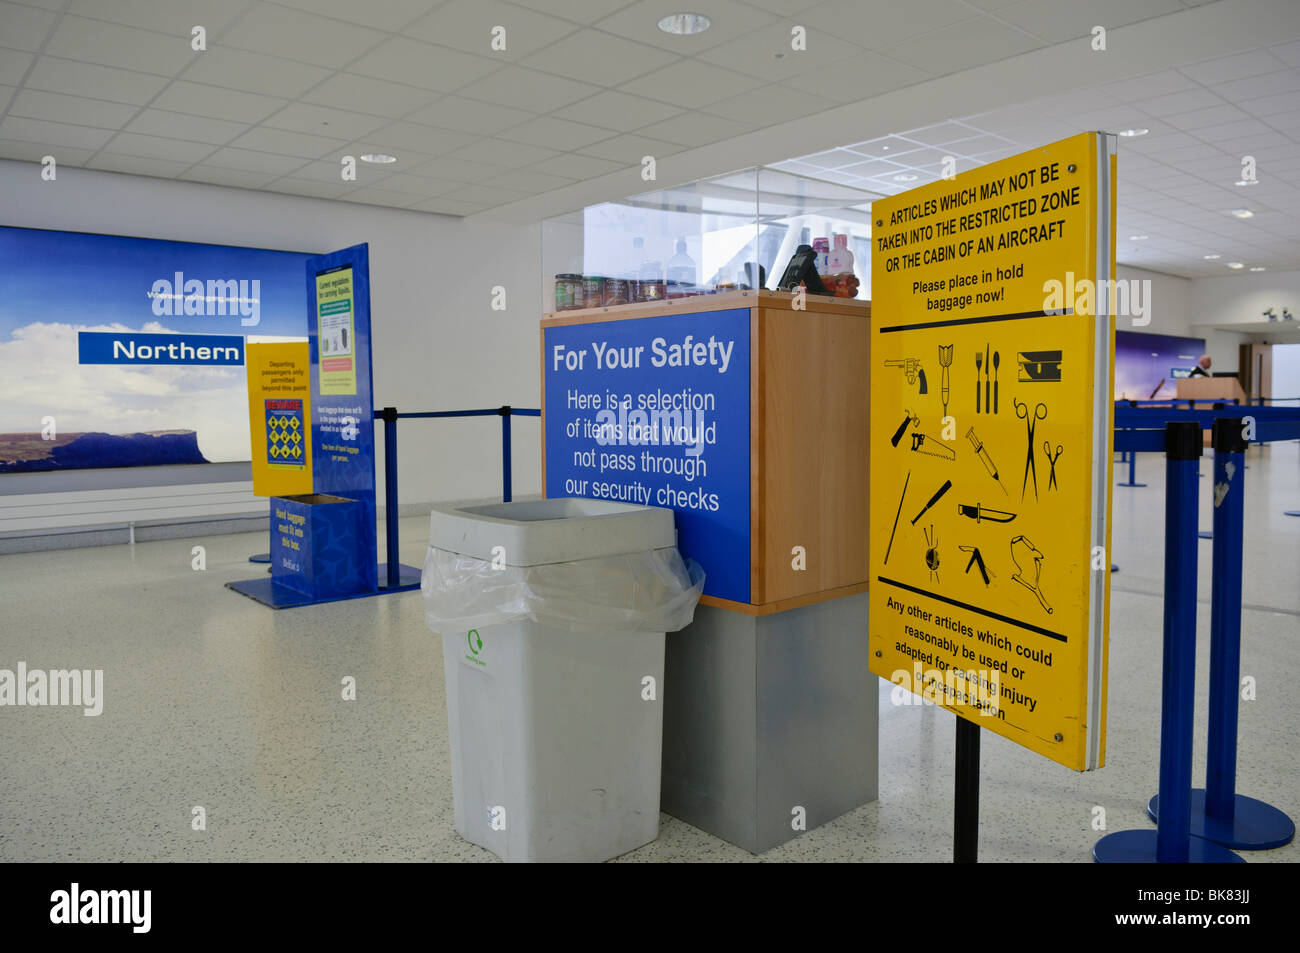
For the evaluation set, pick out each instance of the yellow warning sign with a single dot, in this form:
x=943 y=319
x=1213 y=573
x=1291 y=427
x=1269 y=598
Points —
x=991 y=414
x=279 y=410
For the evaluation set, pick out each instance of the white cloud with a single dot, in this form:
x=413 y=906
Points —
x=40 y=376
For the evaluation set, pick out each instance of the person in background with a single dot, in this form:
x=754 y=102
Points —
x=1202 y=368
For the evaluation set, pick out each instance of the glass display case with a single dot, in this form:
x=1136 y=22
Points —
x=731 y=232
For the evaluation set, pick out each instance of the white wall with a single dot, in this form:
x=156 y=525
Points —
x=437 y=344
x=1286 y=371
x=1242 y=299
x=1170 y=302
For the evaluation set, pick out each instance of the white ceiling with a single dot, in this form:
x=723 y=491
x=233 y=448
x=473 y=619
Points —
x=585 y=87
x=1176 y=184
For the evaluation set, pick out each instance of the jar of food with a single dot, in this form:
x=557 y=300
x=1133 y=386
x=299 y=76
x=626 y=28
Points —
x=616 y=292
x=725 y=286
x=593 y=291
x=568 y=292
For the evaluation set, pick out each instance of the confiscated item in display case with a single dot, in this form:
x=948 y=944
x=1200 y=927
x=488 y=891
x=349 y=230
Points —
x=568 y=292
x=802 y=270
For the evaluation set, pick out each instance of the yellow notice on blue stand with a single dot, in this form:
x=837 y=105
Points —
x=279 y=417
x=991 y=417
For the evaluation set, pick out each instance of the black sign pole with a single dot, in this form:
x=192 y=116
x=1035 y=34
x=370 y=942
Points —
x=966 y=793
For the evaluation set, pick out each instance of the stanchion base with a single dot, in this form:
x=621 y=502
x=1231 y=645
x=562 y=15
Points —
x=1291 y=512
x=1139 y=847
x=1130 y=484
x=1114 y=568
x=409 y=578
x=260 y=558
x=1205 y=534
x=1254 y=826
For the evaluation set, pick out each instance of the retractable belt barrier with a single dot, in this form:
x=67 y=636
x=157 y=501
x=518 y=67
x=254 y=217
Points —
x=1201 y=825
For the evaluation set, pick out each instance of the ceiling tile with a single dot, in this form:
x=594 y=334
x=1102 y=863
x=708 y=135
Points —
x=367 y=95
x=235 y=178
x=630 y=149
x=176 y=17
x=509 y=155
x=1224 y=69
x=599 y=58
x=156 y=147
x=1164 y=83
x=1257 y=87
x=881 y=24
x=377 y=196
x=691 y=84
x=292 y=34
x=766 y=105
x=23 y=150
x=858 y=77
x=286 y=142
x=1201 y=118
x=292 y=185
x=216 y=103
x=93 y=41
x=468 y=24
x=254 y=72
x=390 y=15
x=441 y=205
x=960 y=46
x=527 y=180
x=727 y=19
x=528 y=89
x=578 y=11
x=99 y=82
x=329 y=171
x=322 y=120
x=173 y=125
x=423 y=64
x=401 y=136
x=459 y=170
x=556 y=133
x=1060 y=20
x=56 y=107
x=1288 y=53
x=696 y=129
x=1270 y=105
x=618 y=111
x=766 y=52
x=6 y=94
x=52 y=133
x=574 y=166
x=890 y=146
x=418 y=186
x=1228 y=134
x=25 y=28
x=488 y=197
x=137 y=165
x=230 y=158
x=1162 y=107
x=468 y=115
x=13 y=67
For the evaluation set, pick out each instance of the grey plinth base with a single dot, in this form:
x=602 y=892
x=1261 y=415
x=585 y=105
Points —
x=767 y=714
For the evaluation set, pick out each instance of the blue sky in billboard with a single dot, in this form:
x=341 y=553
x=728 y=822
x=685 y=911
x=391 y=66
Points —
x=54 y=285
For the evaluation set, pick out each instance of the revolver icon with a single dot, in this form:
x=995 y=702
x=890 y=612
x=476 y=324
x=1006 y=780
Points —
x=912 y=370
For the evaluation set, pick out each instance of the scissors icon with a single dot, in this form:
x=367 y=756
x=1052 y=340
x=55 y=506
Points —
x=1031 y=422
x=1047 y=452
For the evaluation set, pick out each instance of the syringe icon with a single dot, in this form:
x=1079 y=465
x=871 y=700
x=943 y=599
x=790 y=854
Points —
x=984 y=456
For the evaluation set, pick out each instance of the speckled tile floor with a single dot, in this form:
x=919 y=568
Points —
x=213 y=700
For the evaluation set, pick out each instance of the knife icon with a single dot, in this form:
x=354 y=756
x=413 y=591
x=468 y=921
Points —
x=980 y=513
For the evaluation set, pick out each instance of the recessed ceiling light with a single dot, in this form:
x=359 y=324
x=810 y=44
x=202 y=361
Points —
x=1211 y=257
x=1138 y=238
x=685 y=24
x=1235 y=264
x=379 y=158
x=1130 y=133
x=1244 y=182
x=904 y=177
x=1241 y=213
x=1258 y=268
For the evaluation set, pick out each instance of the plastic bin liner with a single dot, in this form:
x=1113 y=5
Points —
x=649 y=591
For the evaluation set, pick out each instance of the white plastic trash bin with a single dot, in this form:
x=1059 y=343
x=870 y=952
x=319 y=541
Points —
x=552 y=615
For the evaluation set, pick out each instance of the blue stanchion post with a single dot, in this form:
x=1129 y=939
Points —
x=1219 y=813
x=390 y=497
x=505 y=453
x=1171 y=842
x=1132 y=462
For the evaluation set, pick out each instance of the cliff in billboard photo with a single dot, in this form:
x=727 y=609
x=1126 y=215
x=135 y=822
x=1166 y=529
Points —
x=120 y=352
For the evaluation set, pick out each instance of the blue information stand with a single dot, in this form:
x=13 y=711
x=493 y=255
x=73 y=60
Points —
x=323 y=544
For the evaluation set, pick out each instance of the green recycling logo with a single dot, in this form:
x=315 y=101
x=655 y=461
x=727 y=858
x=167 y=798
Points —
x=475 y=641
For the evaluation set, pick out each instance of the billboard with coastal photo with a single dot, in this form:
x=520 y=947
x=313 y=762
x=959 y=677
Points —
x=119 y=352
